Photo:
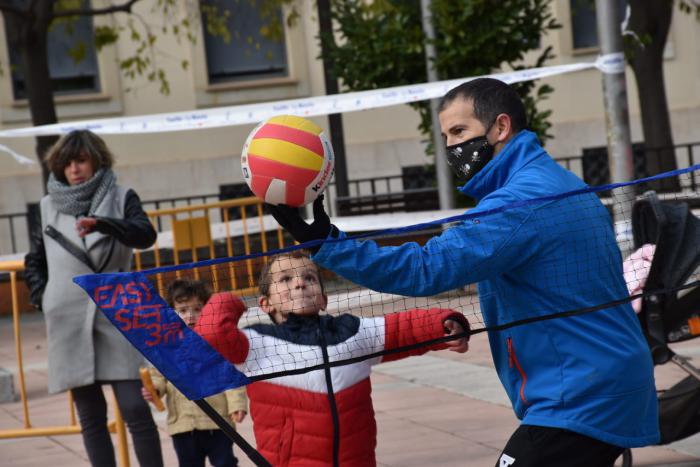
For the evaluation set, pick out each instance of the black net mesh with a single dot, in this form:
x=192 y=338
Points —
x=582 y=266
x=561 y=259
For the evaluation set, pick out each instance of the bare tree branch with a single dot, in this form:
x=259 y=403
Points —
x=126 y=8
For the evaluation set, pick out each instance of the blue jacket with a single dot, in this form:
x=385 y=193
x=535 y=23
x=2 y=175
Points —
x=590 y=373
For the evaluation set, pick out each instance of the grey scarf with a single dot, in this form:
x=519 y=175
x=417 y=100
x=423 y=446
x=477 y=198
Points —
x=81 y=199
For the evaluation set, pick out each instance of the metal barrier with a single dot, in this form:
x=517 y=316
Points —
x=13 y=227
x=195 y=232
x=28 y=429
x=206 y=231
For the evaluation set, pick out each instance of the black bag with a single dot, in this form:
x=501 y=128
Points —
x=679 y=410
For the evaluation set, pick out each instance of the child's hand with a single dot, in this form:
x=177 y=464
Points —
x=146 y=394
x=148 y=391
x=238 y=416
x=453 y=328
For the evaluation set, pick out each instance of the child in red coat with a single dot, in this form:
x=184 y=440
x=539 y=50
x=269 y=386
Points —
x=297 y=419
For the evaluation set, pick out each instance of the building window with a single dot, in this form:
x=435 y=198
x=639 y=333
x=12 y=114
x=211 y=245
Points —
x=583 y=22
x=248 y=55
x=68 y=76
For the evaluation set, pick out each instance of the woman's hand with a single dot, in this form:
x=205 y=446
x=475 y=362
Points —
x=85 y=225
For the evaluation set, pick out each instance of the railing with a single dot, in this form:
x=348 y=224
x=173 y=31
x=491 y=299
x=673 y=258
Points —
x=14 y=227
x=164 y=203
x=382 y=191
x=593 y=166
x=214 y=230
x=28 y=429
x=187 y=233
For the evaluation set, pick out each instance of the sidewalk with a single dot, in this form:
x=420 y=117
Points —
x=441 y=409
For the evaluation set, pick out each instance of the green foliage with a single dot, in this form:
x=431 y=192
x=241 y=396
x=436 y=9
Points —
x=144 y=61
x=78 y=52
x=634 y=42
x=105 y=35
x=381 y=44
x=217 y=17
x=216 y=20
x=690 y=7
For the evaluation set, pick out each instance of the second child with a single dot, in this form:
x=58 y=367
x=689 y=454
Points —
x=297 y=419
x=195 y=436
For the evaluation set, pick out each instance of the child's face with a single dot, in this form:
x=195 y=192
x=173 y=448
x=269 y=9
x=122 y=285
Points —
x=189 y=310
x=294 y=288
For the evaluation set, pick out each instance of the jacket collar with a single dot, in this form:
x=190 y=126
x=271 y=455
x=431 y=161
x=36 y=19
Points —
x=298 y=322
x=522 y=149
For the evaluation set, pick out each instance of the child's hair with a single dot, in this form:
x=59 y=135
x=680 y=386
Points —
x=264 y=280
x=184 y=289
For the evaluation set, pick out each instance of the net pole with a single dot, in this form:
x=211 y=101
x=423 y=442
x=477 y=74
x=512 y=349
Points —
x=609 y=18
x=442 y=171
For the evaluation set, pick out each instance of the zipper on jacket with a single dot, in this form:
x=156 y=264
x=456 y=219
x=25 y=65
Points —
x=331 y=395
x=513 y=360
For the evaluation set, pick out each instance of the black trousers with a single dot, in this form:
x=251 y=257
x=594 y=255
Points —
x=92 y=412
x=538 y=446
x=193 y=447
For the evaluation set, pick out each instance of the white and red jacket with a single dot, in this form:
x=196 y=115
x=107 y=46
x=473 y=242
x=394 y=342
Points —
x=292 y=415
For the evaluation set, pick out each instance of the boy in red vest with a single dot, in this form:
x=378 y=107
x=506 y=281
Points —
x=297 y=418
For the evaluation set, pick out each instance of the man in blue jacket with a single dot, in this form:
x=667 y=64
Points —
x=583 y=385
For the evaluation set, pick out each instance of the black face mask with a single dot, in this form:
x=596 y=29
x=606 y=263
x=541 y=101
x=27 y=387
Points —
x=468 y=157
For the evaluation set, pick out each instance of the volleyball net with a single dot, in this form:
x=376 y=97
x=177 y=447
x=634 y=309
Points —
x=235 y=341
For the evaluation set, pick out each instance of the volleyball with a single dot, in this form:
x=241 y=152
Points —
x=287 y=160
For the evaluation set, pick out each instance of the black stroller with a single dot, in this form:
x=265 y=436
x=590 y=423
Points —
x=671 y=313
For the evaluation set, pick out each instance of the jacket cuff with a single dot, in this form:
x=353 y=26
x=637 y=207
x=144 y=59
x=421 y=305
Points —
x=461 y=319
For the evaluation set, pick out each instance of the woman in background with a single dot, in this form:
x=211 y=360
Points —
x=90 y=224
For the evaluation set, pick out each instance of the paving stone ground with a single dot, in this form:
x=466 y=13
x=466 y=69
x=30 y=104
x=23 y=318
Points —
x=441 y=409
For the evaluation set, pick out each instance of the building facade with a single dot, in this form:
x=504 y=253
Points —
x=379 y=142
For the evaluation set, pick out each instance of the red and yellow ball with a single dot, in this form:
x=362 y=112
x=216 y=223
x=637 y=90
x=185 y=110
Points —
x=287 y=160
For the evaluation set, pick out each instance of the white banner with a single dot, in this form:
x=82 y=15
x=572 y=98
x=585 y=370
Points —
x=16 y=156
x=309 y=107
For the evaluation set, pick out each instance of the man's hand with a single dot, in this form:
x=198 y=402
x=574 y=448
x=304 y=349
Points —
x=293 y=223
x=453 y=328
x=238 y=416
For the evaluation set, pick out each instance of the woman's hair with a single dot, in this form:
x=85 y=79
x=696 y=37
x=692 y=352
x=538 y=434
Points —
x=71 y=145
x=265 y=275
x=180 y=290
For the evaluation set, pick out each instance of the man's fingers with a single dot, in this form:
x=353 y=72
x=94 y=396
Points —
x=319 y=210
x=275 y=212
x=282 y=214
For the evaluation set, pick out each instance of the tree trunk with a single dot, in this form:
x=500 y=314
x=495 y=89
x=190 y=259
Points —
x=40 y=95
x=650 y=20
x=28 y=34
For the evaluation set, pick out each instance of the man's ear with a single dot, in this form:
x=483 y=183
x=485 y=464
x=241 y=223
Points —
x=504 y=128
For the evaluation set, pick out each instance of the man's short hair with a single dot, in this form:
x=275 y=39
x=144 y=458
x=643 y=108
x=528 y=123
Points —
x=490 y=97
x=184 y=289
x=265 y=280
